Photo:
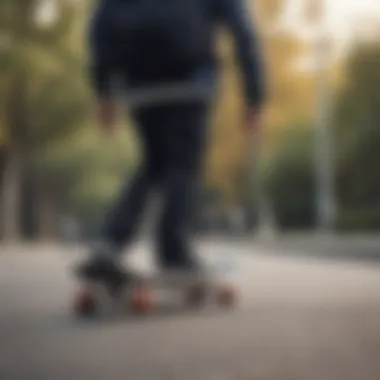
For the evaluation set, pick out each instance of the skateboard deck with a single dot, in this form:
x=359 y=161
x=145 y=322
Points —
x=146 y=292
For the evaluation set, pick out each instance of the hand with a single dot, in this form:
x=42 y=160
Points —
x=253 y=122
x=106 y=116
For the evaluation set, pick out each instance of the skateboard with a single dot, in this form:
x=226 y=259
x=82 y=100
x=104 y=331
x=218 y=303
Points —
x=145 y=293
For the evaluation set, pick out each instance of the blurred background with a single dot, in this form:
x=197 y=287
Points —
x=318 y=166
x=311 y=186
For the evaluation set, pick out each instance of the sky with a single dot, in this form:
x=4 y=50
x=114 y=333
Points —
x=344 y=18
x=346 y=15
x=346 y=21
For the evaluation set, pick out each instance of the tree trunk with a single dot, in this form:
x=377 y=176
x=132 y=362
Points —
x=16 y=120
x=46 y=217
x=2 y=167
x=11 y=197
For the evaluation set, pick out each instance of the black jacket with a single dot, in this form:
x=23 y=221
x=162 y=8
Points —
x=232 y=14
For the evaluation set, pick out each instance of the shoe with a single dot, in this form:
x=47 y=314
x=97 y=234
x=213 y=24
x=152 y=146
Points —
x=185 y=264
x=101 y=267
x=189 y=269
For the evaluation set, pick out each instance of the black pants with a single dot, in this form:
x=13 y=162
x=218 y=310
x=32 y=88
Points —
x=173 y=139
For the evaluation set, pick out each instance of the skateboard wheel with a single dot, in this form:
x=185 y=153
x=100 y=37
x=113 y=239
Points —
x=141 y=300
x=85 y=304
x=226 y=296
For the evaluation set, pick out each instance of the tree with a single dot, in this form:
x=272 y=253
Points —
x=90 y=170
x=289 y=180
x=39 y=104
x=357 y=120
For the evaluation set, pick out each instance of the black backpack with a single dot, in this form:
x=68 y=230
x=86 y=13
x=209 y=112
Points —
x=154 y=39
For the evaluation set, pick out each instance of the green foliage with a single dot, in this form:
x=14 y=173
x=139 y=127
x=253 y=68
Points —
x=365 y=219
x=36 y=96
x=45 y=109
x=357 y=121
x=94 y=167
x=288 y=178
x=288 y=174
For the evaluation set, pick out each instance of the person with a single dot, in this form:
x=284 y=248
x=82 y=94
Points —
x=169 y=80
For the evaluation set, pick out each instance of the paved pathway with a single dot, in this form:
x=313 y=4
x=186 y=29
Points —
x=299 y=319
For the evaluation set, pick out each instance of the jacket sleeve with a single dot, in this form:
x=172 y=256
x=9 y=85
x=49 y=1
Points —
x=100 y=70
x=235 y=16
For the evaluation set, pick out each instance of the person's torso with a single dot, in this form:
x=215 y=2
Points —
x=197 y=81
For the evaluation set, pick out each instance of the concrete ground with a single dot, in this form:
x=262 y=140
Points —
x=299 y=318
